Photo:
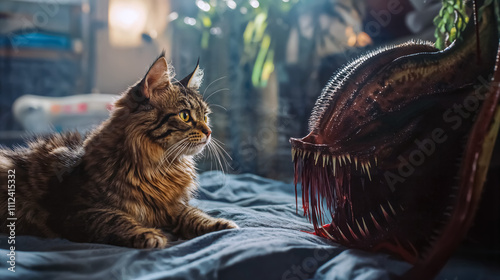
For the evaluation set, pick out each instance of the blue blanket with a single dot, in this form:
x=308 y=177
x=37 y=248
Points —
x=271 y=244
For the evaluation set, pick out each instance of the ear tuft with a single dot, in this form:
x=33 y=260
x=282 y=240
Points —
x=158 y=76
x=194 y=79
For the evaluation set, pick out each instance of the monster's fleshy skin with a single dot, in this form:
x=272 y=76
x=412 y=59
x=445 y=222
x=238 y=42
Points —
x=387 y=148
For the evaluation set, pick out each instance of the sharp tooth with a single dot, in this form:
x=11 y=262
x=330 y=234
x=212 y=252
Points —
x=384 y=212
x=349 y=158
x=360 y=229
x=293 y=154
x=352 y=232
x=364 y=226
x=343 y=236
x=368 y=171
x=316 y=157
x=343 y=159
x=363 y=168
x=392 y=209
x=334 y=163
x=327 y=160
x=307 y=156
x=324 y=159
x=375 y=222
x=356 y=162
x=413 y=248
x=340 y=160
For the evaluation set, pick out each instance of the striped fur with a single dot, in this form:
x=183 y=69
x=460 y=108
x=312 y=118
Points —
x=127 y=182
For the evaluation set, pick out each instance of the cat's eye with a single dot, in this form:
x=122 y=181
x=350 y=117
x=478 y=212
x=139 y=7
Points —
x=205 y=119
x=184 y=115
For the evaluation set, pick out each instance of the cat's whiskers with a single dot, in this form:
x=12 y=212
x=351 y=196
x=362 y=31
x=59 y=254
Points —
x=203 y=95
x=220 y=144
x=210 y=154
x=214 y=156
x=219 y=90
x=217 y=105
x=219 y=153
x=173 y=152
x=180 y=151
x=170 y=151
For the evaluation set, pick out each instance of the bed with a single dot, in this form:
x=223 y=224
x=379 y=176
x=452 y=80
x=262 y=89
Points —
x=271 y=244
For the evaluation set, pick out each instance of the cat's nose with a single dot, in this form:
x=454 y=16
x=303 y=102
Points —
x=207 y=131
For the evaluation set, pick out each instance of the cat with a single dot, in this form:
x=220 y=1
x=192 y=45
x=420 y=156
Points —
x=125 y=182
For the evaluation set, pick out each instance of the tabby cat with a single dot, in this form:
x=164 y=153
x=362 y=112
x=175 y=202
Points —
x=125 y=182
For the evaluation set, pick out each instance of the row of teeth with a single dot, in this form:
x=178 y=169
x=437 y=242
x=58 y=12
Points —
x=344 y=158
x=363 y=230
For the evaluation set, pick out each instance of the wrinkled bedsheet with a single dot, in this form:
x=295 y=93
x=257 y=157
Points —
x=271 y=244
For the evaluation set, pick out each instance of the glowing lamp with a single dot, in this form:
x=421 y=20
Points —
x=127 y=21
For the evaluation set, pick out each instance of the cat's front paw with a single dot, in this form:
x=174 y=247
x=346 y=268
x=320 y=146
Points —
x=221 y=224
x=150 y=239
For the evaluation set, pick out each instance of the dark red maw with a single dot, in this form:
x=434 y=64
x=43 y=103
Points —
x=388 y=143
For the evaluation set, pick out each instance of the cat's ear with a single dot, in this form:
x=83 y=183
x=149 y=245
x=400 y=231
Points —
x=158 y=76
x=194 y=79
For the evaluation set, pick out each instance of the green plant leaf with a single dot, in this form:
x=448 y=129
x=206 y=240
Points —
x=248 y=33
x=259 y=61
x=268 y=68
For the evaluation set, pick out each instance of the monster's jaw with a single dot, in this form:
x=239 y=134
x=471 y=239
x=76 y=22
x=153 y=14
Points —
x=372 y=205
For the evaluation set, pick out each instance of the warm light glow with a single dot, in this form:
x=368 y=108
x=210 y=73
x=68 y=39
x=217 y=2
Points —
x=204 y=6
x=364 y=39
x=127 y=19
x=231 y=4
x=127 y=14
x=173 y=16
x=189 y=21
x=254 y=3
